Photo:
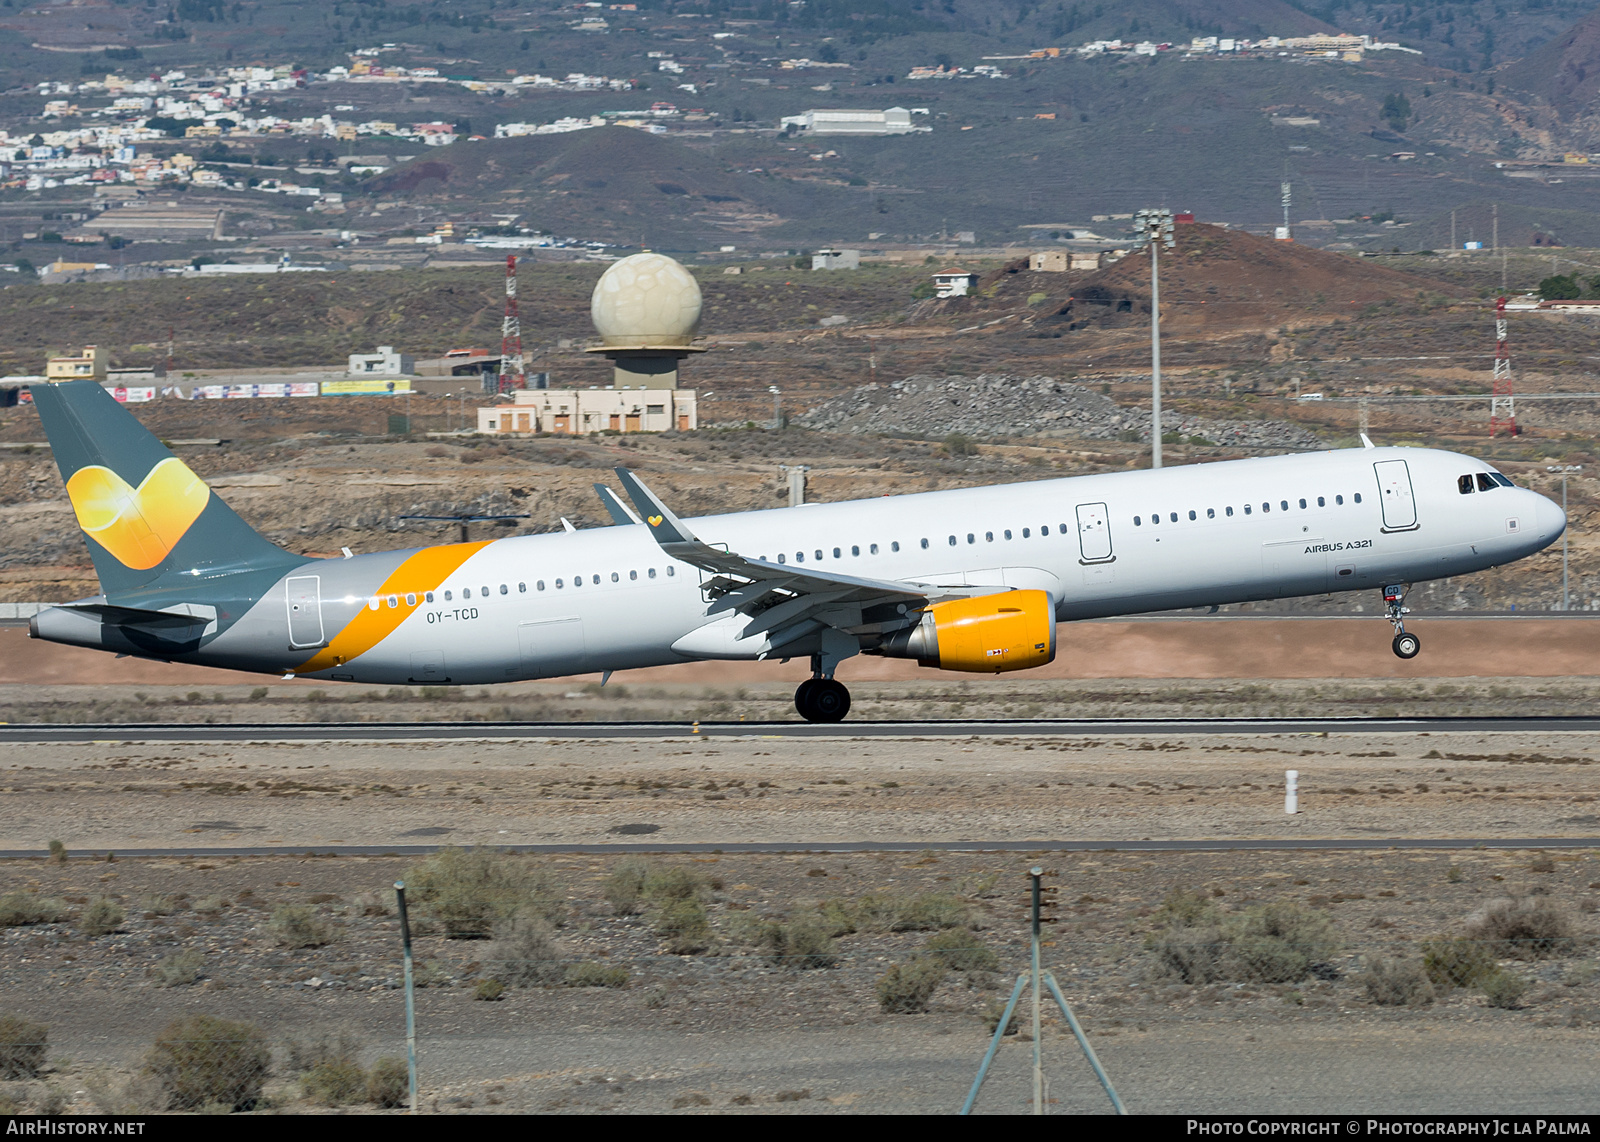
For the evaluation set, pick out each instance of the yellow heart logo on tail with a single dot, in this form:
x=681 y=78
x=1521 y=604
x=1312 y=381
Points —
x=140 y=526
x=655 y=521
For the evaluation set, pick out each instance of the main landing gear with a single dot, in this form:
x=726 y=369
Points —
x=1406 y=645
x=822 y=700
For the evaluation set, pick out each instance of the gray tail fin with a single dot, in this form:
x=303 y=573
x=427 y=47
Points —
x=146 y=517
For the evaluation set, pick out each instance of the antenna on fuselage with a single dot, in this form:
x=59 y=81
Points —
x=1366 y=441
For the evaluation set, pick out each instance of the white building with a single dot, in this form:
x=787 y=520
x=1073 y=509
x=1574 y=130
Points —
x=836 y=260
x=892 y=121
x=953 y=283
x=384 y=363
x=576 y=411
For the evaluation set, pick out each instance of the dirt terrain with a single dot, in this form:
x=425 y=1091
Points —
x=730 y=1026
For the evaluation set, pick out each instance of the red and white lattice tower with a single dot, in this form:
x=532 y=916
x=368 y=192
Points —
x=1502 y=401
x=511 y=374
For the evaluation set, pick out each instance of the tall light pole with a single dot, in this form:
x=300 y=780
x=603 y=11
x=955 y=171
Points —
x=1156 y=226
x=1566 y=599
x=777 y=407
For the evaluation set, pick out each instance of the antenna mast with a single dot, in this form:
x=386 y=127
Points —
x=1502 y=401
x=511 y=367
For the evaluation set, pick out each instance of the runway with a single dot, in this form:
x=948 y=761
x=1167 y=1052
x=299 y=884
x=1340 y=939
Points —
x=1322 y=844
x=46 y=733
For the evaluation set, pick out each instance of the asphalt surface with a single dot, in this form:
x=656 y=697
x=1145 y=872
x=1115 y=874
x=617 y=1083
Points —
x=43 y=733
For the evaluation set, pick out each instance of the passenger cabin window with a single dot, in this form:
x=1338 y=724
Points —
x=633 y=574
x=1247 y=509
x=894 y=545
x=1008 y=533
x=504 y=590
x=539 y=586
x=1192 y=515
x=429 y=596
x=855 y=549
x=1229 y=511
x=652 y=571
x=577 y=580
x=1338 y=500
x=1302 y=504
x=1266 y=507
x=1356 y=497
x=1321 y=502
x=1464 y=484
x=988 y=537
x=819 y=554
x=615 y=578
x=971 y=538
x=874 y=548
x=836 y=553
x=1063 y=528
x=1026 y=532
x=559 y=585
x=522 y=588
x=1136 y=522
x=1174 y=517
x=1285 y=504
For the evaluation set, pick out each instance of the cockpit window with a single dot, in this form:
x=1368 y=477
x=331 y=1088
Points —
x=1464 y=484
x=1485 y=482
x=1501 y=480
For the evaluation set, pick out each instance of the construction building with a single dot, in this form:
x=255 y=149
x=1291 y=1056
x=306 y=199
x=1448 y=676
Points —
x=891 y=121
x=90 y=364
x=386 y=362
x=836 y=260
x=1060 y=261
x=575 y=411
x=953 y=283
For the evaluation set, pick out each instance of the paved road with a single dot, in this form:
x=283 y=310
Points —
x=544 y=731
x=1029 y=846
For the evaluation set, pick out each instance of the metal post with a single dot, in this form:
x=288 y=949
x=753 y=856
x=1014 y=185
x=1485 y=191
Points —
x=1038 y=1055
x=1083 y=1041
x=411 y=999
x=1155 y=357
x=994 y=1044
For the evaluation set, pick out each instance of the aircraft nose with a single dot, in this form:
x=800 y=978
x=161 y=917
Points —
x=1552 y=521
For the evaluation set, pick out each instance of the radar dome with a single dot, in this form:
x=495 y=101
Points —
x=646 y=300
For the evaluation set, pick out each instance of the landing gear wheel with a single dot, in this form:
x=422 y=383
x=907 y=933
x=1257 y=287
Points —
x=1407 y=645
x=822 y=700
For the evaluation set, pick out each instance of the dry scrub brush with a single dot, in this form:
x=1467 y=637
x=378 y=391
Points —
x=1267 y=943
x=471 y=891
x=1534 y=927
x=23 y=1046
x=204 y=1061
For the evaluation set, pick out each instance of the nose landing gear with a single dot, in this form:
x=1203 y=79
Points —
x=822 y=700
x=1406 y=645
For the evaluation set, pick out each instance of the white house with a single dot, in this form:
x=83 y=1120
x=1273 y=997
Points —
x=954 y=283
x=384 y=363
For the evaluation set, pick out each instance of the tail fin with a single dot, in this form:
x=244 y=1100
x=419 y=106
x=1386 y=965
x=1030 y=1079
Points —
x=145 y=515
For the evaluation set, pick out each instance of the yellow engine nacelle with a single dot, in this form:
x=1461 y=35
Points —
x=1014 y=630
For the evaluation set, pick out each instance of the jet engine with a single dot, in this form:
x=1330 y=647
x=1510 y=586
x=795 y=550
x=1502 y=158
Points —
x=1013 y=630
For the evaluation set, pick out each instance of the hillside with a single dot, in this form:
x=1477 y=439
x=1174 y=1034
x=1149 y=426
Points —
x=1565 y=72
x=618 y=185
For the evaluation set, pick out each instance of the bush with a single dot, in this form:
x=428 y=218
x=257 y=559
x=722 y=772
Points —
x=624 y=888
x=22 y=1047
x=956 y=444
x=302 y=1055
x=58 y=852
x=802 y=942
x=1530 y=928
x=389 y=1083
x=906 y=989
x=1269 y=943
x=595 y=975
x=885 y=912
x=664 y=886
x=489 y=990
x=299 y=926
x=1456 y=962
x=524 y=952
x=470 y=891
x=685 y=927
x=1397 y=983
x=961 y=950
x=202 y=1059
x=1504 y=988
x=19 y=908
x=178 y=969
x=336 y=1082
x=102 y=917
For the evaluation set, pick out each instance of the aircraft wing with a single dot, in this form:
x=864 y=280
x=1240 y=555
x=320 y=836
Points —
x=788 y=601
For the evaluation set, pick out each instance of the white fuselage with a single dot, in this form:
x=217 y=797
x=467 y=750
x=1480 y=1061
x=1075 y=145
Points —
x=1101 y=545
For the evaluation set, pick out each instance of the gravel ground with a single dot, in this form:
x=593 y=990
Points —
x=991 y=405
x=728 y=1030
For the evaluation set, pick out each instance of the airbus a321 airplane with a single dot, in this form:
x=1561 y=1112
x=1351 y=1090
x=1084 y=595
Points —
x=974 y=579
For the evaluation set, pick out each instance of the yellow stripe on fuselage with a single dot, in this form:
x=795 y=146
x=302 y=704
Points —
x=425 y=571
